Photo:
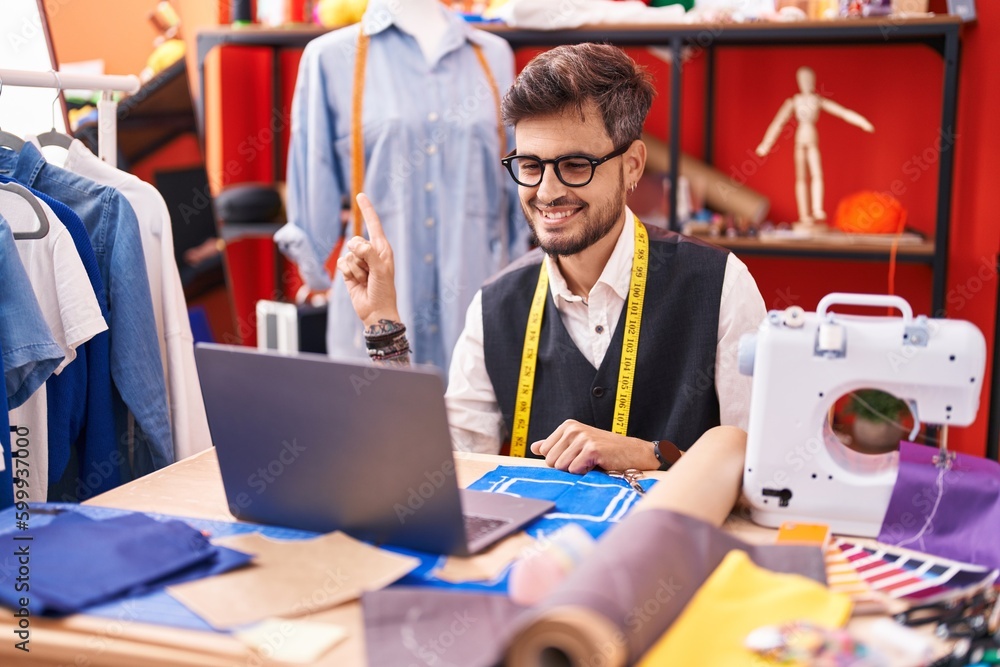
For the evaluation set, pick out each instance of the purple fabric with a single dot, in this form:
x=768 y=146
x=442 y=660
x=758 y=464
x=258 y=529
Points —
x=421 y=626
x=966 y=523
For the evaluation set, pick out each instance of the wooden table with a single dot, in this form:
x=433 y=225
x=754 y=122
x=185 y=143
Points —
x=193 y=488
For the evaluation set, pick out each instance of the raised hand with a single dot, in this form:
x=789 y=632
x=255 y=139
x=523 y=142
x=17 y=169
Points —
x=369 y=270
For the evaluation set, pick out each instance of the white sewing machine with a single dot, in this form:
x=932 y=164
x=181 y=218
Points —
x=796 y=467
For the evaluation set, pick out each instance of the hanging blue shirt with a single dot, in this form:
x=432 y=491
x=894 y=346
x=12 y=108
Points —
x=79 y=399
x=136 y=369
x=432 y=171
x=28 y=353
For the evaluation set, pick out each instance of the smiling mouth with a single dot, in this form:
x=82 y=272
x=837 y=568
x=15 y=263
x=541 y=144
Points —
x=557 y=214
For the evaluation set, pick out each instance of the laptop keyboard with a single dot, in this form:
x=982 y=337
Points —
x=476 y=526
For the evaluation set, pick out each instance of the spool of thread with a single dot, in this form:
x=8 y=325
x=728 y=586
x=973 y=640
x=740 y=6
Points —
x=239 y=12
x=532 y=578
x=165 y=17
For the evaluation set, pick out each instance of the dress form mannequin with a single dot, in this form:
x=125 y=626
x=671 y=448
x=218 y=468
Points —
x=422 y=19
x=452 y=217
x=808 y=168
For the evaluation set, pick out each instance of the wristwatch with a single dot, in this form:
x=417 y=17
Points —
x=666 y=453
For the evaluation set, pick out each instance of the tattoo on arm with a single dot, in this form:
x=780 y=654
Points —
x=384 y=328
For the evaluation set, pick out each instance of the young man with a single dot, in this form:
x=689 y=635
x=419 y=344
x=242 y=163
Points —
x=632 y=333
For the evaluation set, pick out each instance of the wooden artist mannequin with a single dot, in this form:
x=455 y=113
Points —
x=806 y=105
x=424 y=20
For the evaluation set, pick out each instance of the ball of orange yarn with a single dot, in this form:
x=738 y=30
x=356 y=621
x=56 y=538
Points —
x=870 y=213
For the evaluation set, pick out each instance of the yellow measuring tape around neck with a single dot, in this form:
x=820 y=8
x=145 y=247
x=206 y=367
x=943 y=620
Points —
x=630 y=347
x=357 y=135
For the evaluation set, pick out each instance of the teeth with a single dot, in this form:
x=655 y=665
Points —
x=553 y=215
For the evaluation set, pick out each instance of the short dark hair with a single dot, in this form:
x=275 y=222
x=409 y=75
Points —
x=575 y=74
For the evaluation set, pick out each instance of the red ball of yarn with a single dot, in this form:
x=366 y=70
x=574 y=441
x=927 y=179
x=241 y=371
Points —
x=870 y=213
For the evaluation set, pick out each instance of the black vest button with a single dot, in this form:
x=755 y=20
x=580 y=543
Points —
x=597 y=392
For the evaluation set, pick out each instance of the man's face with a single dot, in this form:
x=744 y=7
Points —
x=567 y=220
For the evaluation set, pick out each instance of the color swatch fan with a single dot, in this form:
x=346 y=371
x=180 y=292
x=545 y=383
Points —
x=912 y=576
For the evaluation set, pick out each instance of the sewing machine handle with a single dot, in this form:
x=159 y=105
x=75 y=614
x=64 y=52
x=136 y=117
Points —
x=851 y=299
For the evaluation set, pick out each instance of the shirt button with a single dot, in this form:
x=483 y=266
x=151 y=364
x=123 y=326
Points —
x=429 y=258
x=432 y=116
x=597 y=392
x=599 y=329
x=428 y=186
x=432 y=149
x=429 y=222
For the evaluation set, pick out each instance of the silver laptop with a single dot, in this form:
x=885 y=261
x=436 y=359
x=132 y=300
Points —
x=305 y=441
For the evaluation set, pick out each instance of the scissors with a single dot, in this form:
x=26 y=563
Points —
x=631 y=476
x=974 y=616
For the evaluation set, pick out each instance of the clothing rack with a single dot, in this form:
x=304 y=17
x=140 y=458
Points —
x=107 y=120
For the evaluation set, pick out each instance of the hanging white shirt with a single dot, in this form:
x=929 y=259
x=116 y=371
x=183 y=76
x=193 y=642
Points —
x=187 y=408
x=473 y=412
x=69 y=306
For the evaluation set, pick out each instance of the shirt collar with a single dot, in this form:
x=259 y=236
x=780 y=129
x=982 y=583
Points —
x=617 y=273
x=378 y=19
x=23 y=166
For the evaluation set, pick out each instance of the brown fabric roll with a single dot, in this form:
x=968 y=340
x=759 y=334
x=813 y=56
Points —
x=626 y=594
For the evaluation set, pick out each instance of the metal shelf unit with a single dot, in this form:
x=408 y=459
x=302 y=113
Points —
x=941 y=33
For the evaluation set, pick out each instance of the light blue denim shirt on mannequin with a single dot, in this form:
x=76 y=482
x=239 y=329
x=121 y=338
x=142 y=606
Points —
x=432 y=171
x=136 y=368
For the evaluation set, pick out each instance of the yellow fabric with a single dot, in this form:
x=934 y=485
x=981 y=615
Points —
x=338 y=13
x=736 y=599
x=165 y=55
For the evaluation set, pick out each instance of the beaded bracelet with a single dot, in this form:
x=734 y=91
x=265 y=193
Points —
x=397 y=355
x=396 y=348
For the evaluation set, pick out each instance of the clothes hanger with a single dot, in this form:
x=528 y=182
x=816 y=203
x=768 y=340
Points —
x=53 y=137
x=43 y=221
x=7 y=139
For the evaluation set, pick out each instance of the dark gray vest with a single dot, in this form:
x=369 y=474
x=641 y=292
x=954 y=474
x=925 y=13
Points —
x=673 y=397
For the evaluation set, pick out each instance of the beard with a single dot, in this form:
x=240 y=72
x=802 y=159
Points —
x=596 y=222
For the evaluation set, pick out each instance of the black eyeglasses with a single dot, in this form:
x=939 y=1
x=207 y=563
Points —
x=574 y=171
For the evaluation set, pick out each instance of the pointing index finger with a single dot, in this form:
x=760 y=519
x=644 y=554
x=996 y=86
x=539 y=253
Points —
x=375 y=233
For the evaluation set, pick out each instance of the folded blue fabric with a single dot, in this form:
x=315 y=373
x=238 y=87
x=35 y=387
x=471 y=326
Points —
x=223 y=560
x=74 y=562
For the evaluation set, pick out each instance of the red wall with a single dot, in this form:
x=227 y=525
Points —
x=898 y=88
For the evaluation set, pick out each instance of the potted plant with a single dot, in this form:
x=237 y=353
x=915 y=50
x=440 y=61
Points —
x=878 y=416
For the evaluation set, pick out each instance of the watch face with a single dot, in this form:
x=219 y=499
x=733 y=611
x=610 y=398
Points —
x=664 y=464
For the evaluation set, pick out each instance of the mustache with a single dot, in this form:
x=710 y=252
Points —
x=560 y=201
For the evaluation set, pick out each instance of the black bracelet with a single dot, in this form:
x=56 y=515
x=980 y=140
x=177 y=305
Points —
x=385 y=342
